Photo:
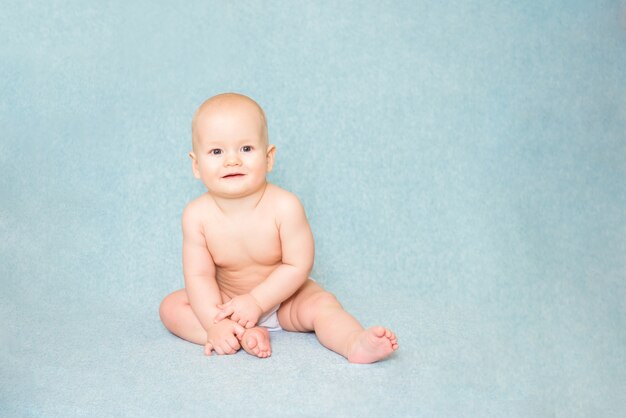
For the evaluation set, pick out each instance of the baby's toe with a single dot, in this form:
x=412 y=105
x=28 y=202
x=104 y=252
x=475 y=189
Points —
x=251 y=341
x=378 y=331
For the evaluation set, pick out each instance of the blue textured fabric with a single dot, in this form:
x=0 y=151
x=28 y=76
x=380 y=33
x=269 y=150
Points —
x=462 y=165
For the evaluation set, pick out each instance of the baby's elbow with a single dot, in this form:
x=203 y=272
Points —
x=300 y=270
x=308 y=255
x=305 y=269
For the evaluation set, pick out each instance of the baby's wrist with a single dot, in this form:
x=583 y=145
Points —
x=256 y=301
x=219 y=323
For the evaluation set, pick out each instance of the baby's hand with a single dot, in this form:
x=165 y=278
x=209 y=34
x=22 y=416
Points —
x=242 y=309
x=223 y=338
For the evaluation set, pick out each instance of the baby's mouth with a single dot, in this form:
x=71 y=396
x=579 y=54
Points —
x=234 y=175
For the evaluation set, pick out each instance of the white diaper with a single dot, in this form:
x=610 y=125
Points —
x=270 y=320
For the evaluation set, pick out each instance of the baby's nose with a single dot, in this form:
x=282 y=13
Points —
x=232 y=159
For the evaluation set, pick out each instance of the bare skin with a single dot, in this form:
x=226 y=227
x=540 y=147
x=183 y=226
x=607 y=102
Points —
x=256 y=341
x=248 y=247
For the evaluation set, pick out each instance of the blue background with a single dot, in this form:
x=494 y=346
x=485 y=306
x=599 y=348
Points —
x=462 y=165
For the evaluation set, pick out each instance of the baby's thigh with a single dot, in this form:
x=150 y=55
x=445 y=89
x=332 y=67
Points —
x=291 y=314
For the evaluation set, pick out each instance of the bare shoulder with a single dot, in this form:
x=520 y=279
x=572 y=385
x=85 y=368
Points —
x=282 y=199
x=195 y=211
x=285 y=203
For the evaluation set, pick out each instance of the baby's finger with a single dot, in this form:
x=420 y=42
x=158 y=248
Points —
x=228 y=311
x=233 y=343
x=224 y=305
x=224 y=314
x=249 y=324
x=239 y=330
x=207 y=349
x=218 y=350
x=227 y=349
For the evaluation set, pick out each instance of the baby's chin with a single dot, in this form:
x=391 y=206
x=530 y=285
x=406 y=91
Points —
x=233 y=188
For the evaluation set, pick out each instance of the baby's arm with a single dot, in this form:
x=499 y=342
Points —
x=202 y=290
x=297 y=255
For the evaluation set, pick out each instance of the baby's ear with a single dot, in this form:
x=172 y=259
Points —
x=194 y=165
x=271 y=152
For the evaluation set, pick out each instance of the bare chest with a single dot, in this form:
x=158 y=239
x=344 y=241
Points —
x=243 y=243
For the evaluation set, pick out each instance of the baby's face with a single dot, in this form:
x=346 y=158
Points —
x=231 y=155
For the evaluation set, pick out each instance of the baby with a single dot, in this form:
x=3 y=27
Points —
x=248 y=250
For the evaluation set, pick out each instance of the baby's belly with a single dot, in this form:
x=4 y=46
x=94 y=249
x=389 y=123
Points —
x=233 y=282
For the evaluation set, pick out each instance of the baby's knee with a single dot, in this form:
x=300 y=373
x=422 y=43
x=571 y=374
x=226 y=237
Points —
x=325 y=299
x=165 y=309
x=168 y=307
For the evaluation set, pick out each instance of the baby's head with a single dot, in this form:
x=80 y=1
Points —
x=228 y=107
x=231 y=153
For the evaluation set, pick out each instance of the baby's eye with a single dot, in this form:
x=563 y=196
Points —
x=246 y=148
x=215 y=151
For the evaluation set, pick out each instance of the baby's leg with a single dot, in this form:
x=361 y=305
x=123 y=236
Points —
x=313 y=309
x=256 y=341
x=180 y=320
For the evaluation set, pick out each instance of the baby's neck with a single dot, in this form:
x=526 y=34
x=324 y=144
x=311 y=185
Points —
x=244 y=204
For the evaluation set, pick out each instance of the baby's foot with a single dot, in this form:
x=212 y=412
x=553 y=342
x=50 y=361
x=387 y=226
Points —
x=256 y=341
x=371 y=345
